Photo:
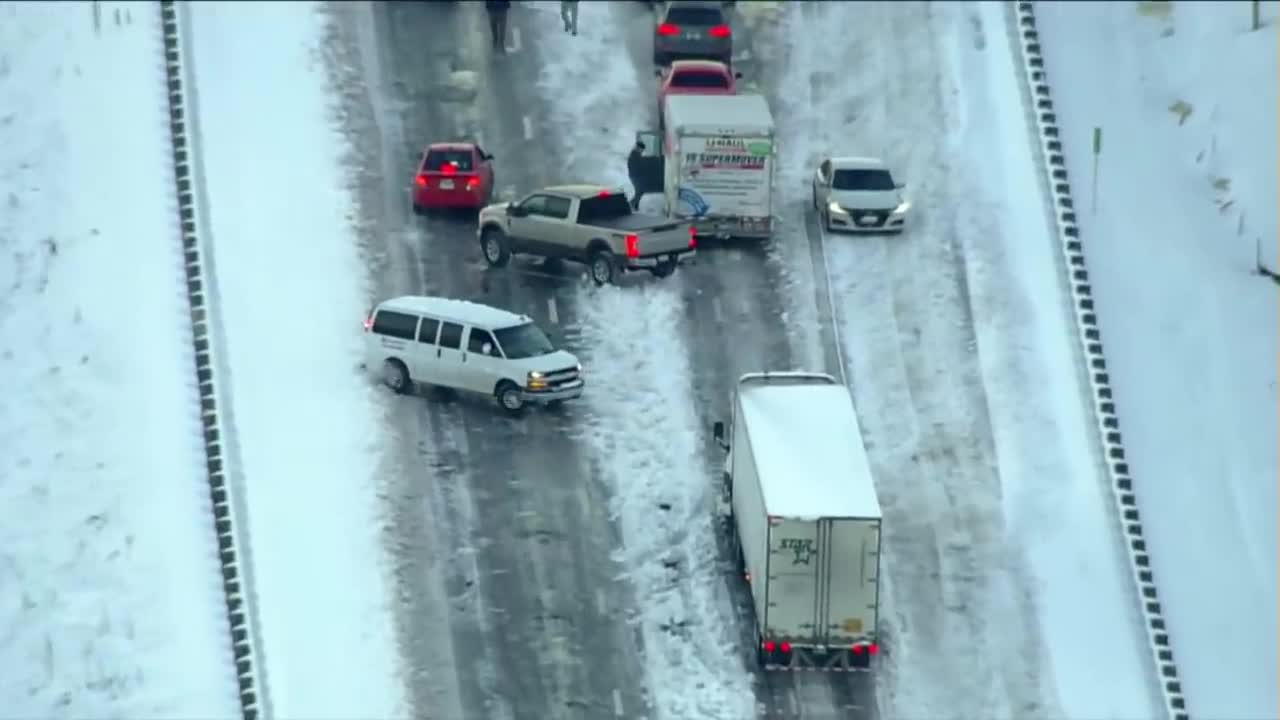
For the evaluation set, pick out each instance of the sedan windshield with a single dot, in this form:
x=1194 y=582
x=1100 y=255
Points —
x=862 y=180
x=523 y=341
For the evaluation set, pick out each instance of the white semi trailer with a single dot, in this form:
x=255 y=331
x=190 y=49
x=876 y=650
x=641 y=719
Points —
x=806 y=520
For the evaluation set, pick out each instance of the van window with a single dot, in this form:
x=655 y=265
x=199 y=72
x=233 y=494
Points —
x=602 y=208
x=394 y=324
x=523 y=341
x=427 y=333
x=557 y=207
x=476 y=341
x=451 y=336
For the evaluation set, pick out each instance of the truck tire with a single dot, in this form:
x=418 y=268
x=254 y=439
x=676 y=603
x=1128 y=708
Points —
x=663 y=269
x=600 y=265
x=494 y=247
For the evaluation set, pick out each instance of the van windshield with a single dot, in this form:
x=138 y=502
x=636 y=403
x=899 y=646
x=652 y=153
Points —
x=523 y=341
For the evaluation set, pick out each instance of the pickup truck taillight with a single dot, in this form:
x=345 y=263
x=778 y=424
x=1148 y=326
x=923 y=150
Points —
x=719 y=31
x=633 y=246
x=667 y=29
x=693 y=237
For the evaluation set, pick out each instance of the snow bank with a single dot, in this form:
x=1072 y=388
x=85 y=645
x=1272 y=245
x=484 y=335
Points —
x=112 y=601
x=1056 y=496
x=290 y=288
x=1185 y=96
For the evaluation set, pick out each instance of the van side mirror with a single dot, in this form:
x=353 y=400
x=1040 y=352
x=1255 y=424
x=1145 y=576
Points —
x=737 y=76
x=657 y=72
x=899 y=186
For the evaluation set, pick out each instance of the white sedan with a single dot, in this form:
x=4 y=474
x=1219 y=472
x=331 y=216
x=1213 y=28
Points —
x=858 y=194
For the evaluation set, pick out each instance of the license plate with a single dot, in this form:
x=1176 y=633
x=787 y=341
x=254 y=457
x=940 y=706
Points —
x=867 y=220
x=446 y=184
x=695 y=35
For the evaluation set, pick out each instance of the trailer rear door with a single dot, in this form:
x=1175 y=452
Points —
x=793 y=579
x=853 y=566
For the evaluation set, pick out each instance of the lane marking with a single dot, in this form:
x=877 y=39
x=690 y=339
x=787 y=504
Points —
x=716 y=309
x=602 y=604
x=617 y=703
x=515 y=40
x=528 y=127
x=551 y=310
x=584 y=500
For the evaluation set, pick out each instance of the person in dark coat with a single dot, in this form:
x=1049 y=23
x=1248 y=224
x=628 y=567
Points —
x=569 y=14
x=497 y=10
x=633 y=170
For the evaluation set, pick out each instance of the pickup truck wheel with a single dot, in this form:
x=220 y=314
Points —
x=509 y=397
x=601 y=265
x=663 y=269
x=493 y=243
x=396 y=376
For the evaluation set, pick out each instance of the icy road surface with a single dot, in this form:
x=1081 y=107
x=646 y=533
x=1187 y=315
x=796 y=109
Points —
x=111 y=599
x=999 y=536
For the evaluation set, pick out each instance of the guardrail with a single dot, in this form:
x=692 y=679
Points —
x=243 y=636
x=1028 y=43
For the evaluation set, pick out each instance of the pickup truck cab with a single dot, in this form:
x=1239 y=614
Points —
x=590 y=224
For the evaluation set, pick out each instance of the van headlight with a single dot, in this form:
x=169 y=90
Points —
x=536 y=381
x=902 y=208
x=834 y=208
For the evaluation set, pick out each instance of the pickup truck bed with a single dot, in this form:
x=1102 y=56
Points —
x=589 y=224
x=637 y=222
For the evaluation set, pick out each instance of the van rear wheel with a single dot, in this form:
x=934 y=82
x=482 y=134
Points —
x=396 y=376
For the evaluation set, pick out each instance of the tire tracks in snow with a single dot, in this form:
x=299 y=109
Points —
x=910 y=328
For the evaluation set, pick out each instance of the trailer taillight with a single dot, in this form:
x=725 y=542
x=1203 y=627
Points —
x=768 y=646
x=785 y=647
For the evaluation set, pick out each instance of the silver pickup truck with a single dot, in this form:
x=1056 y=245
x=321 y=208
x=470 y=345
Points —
x=589 y=224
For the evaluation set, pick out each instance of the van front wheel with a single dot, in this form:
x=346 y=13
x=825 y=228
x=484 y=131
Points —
x=510 y=397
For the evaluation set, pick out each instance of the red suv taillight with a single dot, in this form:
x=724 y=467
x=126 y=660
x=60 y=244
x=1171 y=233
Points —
x=719 y=31
x=473 y=182
x=633 y=246
x=420 y=180
x=667 y=29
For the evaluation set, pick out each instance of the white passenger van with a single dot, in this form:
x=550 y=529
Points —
x=468 y=346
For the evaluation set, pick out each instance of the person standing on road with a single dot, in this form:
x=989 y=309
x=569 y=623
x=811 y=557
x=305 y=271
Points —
x=633 y=170
x=569 y=13
x=497 y=10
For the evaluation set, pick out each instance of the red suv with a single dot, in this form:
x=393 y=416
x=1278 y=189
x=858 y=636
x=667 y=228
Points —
x=453 y=176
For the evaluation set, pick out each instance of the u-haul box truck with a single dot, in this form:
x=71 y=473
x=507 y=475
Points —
x=806 y=518
x=714 y=163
